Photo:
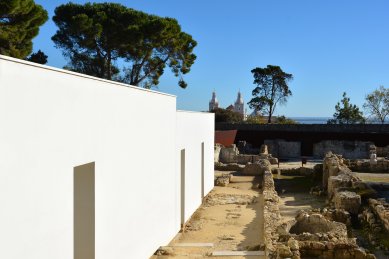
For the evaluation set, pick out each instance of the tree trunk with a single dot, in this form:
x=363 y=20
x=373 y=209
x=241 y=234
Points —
x=270 y=114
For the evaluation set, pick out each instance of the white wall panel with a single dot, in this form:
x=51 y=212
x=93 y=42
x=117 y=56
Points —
x=53 y=120
x=193 y=128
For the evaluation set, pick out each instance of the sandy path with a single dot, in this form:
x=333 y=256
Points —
x=294 y=195
x=374 y=177
x=231 y=218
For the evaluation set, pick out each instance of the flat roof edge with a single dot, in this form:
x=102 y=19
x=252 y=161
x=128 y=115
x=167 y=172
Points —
x=184 y=111
x=60 y=70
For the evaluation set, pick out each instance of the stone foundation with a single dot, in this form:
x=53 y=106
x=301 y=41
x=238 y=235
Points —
x=284 y=149
x=231 y=154
x=312 y=234
x=272 y=216
x=229 y=167
x=258 y=168
x=380 y=208
x=348 y=149
x=364 y=165
x=349 y=201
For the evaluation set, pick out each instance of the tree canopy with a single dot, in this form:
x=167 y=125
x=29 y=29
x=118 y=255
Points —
x=226 y=115
x=346 y=113
x=19 y=24
x=272 y=88
x=38 y=57
x=377 y=104
x=95 y=36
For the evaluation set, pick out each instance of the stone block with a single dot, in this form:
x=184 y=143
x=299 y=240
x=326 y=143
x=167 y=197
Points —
x=349 y=201
x=340 y=181
x=222 y=180
x=228 y=154
x=217 y=149
x=257 y=168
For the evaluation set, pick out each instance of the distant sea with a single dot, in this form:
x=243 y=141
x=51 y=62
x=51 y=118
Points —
x=321 y=120
x=311 y=120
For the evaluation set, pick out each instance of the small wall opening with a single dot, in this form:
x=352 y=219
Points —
x=84 y=211
x=182 y=187
x=202 y=171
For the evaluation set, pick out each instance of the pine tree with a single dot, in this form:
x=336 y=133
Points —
x=97 y=37
x=38 y=57
x=19 y=24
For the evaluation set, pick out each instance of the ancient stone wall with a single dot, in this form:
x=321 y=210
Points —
x=284 y=149
x=365 y=165
x=348 y=149
x=217 y=149
x=271 y=212
x=341 y=184
x=321 y=234
x=228 y=154
x=383 y=151
x=381 y=209
x=231 y=154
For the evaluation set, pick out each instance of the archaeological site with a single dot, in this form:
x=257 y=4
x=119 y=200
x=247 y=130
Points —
x=270 y=201
x=73 y=179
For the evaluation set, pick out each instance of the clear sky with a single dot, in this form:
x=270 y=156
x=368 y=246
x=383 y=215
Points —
x=330 y=46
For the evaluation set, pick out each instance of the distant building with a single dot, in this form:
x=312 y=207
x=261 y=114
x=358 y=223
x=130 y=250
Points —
x=214 y=103
x=238 y=106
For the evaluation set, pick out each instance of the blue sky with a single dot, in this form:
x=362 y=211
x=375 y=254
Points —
x=329 y=47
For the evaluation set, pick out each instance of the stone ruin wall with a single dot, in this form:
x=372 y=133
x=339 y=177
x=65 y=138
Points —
x=318 y=233
x=365 y=165
x=271 y=213
x=232 y=155
x=284 y=149
x=348 y=149
x=353 y=150
x=380 y=208
x=341 y=184
x=321 y=233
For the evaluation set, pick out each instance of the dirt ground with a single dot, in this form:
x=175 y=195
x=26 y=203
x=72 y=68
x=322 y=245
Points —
x=230 y=219
x=294 y=195
x=297 y=163
x=374 y=177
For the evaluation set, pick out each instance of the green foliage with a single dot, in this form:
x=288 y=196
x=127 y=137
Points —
x=377 y=104
x=272 y=88
x=228 y=116
x=95 y=36
x=347 y=113
x=255 y=120
x=284 y=120
x=19 y=24
x=38 y=57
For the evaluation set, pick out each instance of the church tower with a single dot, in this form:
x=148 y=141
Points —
x=214 y=103
x=239 y=105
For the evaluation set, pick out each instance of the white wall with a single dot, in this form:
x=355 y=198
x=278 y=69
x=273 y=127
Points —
x=52 y=120
x=193 y=128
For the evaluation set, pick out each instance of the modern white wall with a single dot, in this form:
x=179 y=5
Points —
x=193 y=128
x=53 y=120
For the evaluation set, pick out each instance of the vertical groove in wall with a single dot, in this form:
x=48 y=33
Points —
x=202 y=170
x=182 y=187
x=84 y=211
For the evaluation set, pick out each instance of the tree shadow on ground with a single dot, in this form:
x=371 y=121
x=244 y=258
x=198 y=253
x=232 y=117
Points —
x=295 y=196
x=253 y=231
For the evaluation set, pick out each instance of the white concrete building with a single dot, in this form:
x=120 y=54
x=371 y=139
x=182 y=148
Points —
x=95 y=169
